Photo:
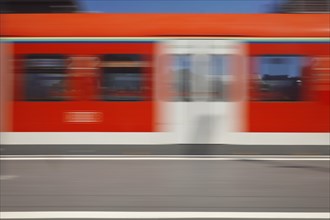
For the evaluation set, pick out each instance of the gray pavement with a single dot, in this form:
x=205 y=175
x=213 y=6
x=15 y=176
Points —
x=163 y=185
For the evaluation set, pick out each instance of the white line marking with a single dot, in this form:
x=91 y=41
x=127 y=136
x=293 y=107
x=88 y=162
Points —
x=166 y=157
x=165 y=215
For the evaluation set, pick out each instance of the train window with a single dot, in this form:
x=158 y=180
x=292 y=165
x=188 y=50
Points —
x=220 y=77
x=122 y=77
x=45 y=77
x=182 y=70
x=278 y=78
x=200 y=78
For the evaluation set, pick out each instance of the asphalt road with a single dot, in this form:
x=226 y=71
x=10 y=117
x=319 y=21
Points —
x=164 y=185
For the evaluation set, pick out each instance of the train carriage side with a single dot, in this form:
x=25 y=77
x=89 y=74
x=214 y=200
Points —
x=89 y=84
x=89 y=87
x=289 y=86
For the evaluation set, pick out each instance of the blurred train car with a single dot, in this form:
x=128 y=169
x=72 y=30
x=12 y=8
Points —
x=165 y=79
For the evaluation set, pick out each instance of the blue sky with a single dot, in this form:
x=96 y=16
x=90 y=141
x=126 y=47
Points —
x=178 y=6
x=292 y=66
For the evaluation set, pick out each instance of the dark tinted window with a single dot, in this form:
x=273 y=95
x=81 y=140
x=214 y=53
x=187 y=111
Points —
x=45 y=77
x=278 y=78
x=122 y=77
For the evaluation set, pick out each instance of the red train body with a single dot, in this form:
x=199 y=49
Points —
x=118 y=73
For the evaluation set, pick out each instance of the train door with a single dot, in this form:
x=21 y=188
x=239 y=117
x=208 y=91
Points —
x=201 y=78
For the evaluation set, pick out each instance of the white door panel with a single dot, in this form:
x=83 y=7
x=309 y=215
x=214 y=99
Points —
x=199 y=115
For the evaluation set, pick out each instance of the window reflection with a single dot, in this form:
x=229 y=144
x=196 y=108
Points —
x=122 y=77
x=220 y=77
x=278 y=78
x=45 y=77
x=201 y=77
x=182 y=73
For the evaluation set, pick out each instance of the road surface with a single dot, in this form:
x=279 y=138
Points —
x=207 y=185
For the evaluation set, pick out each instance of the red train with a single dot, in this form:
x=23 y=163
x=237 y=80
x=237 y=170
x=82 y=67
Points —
x=165 y=78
